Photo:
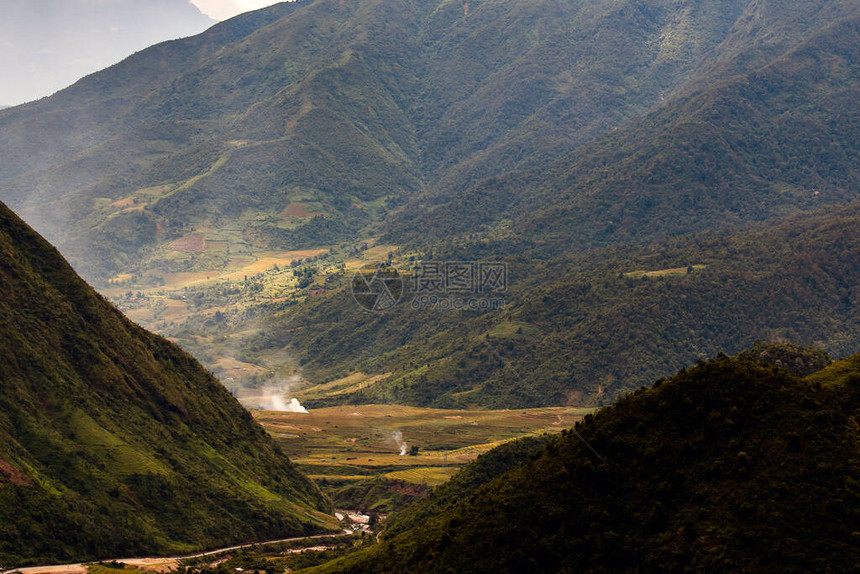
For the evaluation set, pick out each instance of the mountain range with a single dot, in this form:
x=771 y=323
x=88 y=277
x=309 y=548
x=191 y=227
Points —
x=596 y=148
x=653 y=183
x=353 y=109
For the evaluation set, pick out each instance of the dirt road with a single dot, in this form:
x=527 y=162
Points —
x=155 y=563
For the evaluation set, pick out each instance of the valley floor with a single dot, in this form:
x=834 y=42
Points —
x=378 y=457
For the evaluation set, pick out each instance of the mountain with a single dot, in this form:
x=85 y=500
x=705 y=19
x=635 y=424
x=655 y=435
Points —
x=601 y=150
x=777 y=138
x=760 y=130
x=50 y=44
x=729 y=466
x=113 y=441
x=470 y=478
x=587 y=327
x=345 y=112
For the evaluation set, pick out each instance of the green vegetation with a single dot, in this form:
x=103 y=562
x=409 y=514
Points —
x=474 y=475
x=354 y=452
x=729 y=466
x=356 y=111
x=578 y=330
x=795 y=358
x=775 y=138
x=581 y=143
x=664 y=180
x=114 y=442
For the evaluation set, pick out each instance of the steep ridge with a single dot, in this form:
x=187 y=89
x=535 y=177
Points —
x=760 y=144
x=114 y=442
x=730 y=466
x=354 y=107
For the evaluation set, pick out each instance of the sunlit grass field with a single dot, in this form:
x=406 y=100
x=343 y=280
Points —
x=358 y=442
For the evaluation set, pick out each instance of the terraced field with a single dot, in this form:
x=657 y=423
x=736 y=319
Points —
x=664 y=272
x=205 y=290
x=359 y=443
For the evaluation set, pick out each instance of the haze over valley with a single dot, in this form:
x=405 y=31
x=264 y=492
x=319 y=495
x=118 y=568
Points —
x=581 y=259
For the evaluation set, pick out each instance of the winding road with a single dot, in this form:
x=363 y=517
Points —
x=156 y=563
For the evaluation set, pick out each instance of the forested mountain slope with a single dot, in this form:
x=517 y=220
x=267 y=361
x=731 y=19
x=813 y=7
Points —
x=351 y=109
x=582 y=328
x=730 y=466
x=113 y=441
x=761 y=144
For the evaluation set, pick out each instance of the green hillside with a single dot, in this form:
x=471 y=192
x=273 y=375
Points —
x=775 y=139
x=584 y=328
x=663 y=181
x=487 y=467
x=114 y=442
x=731 y=466
x=345 y=111
x=581 y=143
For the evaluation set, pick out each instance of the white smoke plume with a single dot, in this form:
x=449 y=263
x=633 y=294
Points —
x=272 y=399
x=402 y=445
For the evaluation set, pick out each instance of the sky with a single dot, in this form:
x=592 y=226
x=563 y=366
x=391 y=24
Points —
x=223 y=9
x=47 y=45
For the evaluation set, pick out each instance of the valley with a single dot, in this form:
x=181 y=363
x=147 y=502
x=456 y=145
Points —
x=209 y=292
x=222 y=189
x=497 y=286
x=380 y=457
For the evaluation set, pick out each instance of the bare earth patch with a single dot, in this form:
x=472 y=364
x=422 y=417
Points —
x=297 y=210
x=14 y=475
x=124 y=202
x=194 y=243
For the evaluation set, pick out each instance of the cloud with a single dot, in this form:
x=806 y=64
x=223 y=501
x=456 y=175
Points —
x=224 y=9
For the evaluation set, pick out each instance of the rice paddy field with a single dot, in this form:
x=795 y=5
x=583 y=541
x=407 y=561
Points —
x=409 y=444
x=205 y=290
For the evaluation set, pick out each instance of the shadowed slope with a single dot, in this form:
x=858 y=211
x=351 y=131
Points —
x=115 y=442
x=731 y=466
